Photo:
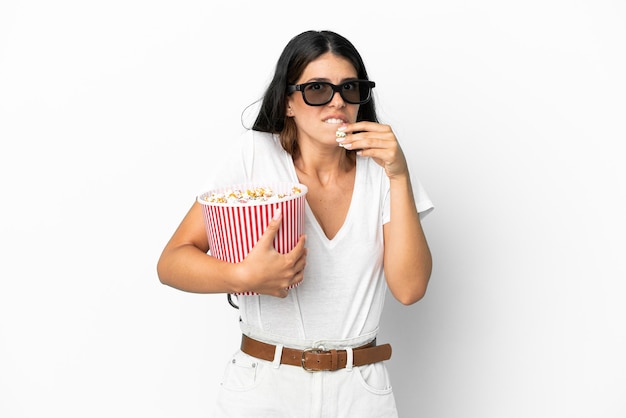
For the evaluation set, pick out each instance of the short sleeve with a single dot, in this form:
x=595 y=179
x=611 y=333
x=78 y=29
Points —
x=422 y=201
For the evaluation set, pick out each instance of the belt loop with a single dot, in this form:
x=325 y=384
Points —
x=349 y=359
x=278 y=353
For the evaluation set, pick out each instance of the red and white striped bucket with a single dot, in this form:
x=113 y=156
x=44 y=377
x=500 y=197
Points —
x=234 y=228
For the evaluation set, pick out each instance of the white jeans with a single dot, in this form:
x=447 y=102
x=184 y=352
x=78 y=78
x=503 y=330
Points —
x=257 y=388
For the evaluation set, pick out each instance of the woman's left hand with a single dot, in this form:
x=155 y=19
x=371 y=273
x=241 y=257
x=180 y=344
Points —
x=377 y=141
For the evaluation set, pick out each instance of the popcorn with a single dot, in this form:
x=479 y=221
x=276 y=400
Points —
x=257 y=194
x=341 y=134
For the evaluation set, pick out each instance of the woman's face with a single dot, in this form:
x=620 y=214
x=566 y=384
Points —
x=319 y=123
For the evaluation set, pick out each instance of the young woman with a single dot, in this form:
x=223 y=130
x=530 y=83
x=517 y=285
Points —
x=311 y=350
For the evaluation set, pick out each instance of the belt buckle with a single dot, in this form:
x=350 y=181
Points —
x=318 y=350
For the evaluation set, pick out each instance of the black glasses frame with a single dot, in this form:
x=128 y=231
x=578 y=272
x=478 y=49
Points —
x=336 y=89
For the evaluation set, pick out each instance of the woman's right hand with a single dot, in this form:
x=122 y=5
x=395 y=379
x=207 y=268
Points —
x=266 y=271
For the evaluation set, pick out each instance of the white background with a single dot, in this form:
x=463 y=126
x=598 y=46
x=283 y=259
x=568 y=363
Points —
x=511 y=113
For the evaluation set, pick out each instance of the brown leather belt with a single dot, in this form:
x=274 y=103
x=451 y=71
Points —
x=314 y=359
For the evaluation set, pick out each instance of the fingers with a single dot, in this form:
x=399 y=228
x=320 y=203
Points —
x=280 y=288
x=295 y=264
x=366 y=135
x=272 y=229
x=299 y=252
x=296 y=260
x=270 y=272
x=378 y=142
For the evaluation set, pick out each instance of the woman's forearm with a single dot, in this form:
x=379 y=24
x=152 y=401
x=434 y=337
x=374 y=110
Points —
x=190 y=269
x=407 y=258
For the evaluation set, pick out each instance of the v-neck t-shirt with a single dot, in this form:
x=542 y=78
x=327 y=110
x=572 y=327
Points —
x=342 y=294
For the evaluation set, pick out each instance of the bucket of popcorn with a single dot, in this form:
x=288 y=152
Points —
x=236 y=216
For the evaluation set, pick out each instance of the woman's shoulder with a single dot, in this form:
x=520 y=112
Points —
x=250 y=143
x=263 y=143
x=266 y=139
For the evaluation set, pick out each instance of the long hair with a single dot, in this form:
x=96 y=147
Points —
x=299 y=52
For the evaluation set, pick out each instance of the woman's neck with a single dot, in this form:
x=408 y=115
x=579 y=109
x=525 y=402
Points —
x=324 y=165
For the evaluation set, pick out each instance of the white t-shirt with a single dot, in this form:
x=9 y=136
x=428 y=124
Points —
x=341 y=298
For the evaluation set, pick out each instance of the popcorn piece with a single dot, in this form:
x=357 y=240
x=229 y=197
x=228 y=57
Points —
x=340 y=134
x=258 y=194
